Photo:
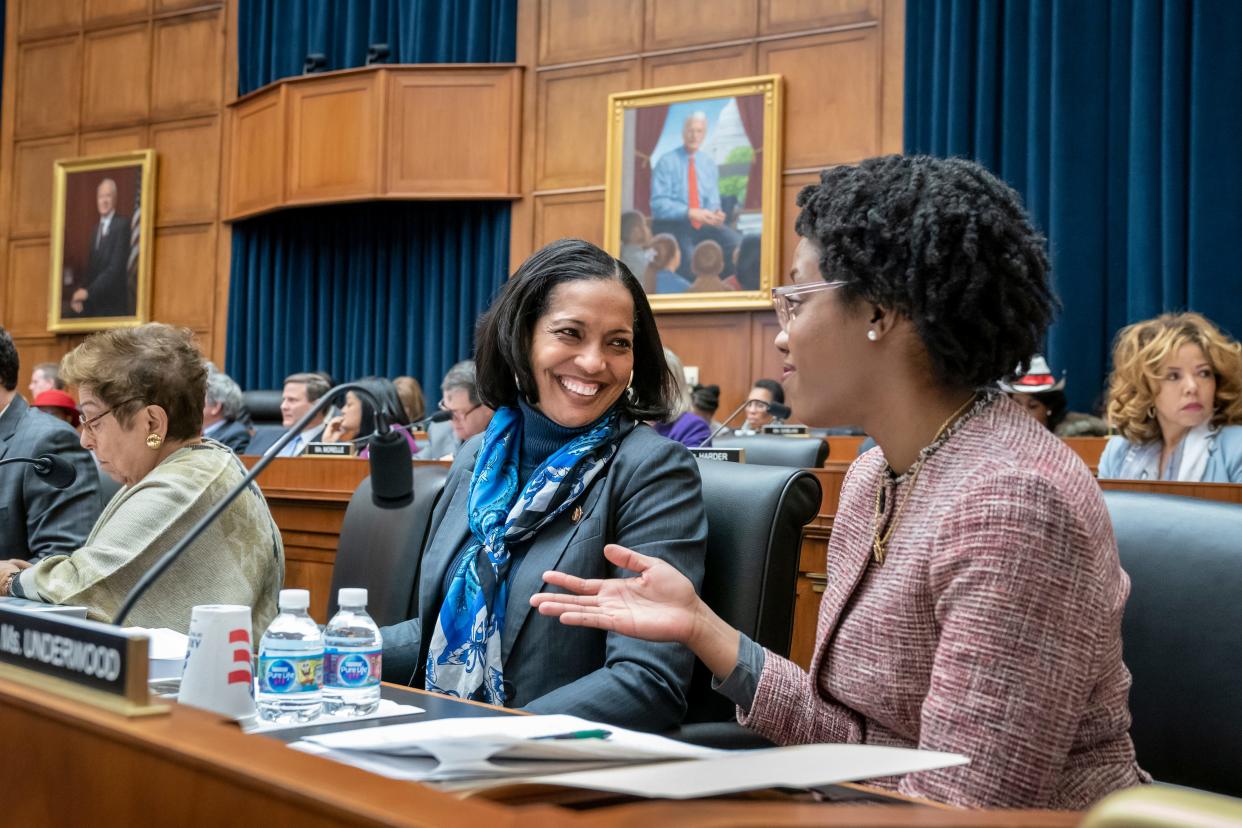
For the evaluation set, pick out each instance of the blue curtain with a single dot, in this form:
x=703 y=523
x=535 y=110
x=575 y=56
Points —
x=357 y=289
x=1117 y=120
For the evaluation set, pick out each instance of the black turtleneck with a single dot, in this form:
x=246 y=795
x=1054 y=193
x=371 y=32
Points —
x=541 y=437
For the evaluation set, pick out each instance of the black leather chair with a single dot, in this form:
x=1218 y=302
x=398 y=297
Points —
x=755 y=516
x=380 y=548
x=1182 y=635
x=264 y=406
x=775 y=450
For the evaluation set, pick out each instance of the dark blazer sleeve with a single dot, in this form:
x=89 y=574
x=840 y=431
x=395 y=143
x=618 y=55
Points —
x=59 y=521
x=656 y=508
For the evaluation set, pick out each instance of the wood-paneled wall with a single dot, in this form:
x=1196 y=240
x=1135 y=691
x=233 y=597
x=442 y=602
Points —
x=87 y=77
x=842 y=66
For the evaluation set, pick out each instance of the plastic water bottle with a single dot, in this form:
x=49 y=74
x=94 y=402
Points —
x=351 y=667
x=291 y=663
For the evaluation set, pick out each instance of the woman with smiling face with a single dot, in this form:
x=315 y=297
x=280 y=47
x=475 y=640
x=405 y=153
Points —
x=569 y=357
x=1176 y=397
x=975 y=596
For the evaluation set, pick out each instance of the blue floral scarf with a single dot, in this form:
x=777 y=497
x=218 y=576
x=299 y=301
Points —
x=465 y=655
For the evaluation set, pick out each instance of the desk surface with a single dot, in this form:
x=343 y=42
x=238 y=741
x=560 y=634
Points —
x=80 y=766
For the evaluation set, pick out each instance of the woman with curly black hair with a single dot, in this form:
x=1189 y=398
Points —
x=974 y=596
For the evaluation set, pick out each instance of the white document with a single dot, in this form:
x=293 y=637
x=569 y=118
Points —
x=386 y=709
x=798 y=766
x=165 y=650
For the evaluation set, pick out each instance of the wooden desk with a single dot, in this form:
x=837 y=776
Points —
x=70 y=765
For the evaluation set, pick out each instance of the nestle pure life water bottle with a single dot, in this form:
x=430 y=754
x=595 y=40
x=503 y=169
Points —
x=351 y=665
x=291 y=663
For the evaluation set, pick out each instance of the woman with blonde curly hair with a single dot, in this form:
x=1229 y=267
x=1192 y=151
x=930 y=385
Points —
x=1175 y=397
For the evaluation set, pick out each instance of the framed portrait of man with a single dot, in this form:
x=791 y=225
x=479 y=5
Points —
x=692 y=191
x=101 y=241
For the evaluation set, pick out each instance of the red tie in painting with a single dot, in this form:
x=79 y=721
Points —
x=692 y=188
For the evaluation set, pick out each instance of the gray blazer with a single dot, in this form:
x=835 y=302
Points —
x=648 y=499
x=35 y=519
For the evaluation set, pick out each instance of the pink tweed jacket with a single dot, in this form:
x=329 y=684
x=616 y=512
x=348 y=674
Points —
x=993 y=629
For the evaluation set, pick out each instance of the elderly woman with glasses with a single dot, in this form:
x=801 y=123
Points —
x=569 y=357
x=141 y=392
x=975 y=596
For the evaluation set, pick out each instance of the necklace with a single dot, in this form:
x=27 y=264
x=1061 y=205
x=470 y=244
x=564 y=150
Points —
x=879 y=543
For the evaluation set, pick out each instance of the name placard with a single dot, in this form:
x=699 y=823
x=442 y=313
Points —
x=728 y=455
x=95 y=662
x=783 y=430
x=329 y=449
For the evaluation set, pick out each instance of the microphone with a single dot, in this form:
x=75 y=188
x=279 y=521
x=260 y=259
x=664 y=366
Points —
x=778 y=410
x=56 y=471
x=437 y=416
x=392 y=481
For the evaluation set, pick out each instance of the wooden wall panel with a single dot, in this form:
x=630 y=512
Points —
x=114 y=140
x=188 y=170
x=572 y=123
x=185 y=274
x=257 y=177
x=765 y=360
x=188 y=63
x=699 y=66
x=116 y=76
x=790 y=187
x=39 y=17
x=336 y=151
x=112 y=11
x=26 y=306
x=570 y=215
x=31 y=204
x=718 y=344
x=673 y=23
x=573 y=30
x=452 y=104
x=832 y=92
x=777 y=16
x=49 y=82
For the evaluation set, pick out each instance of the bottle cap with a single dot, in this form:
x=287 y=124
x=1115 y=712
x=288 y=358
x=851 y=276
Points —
x=352 y=597
x=294 y=599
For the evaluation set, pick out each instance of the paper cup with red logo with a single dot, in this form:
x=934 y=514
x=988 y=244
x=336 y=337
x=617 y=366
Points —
x=217 y=674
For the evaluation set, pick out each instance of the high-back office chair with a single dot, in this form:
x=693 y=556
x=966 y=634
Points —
x=380 y=548
x=1182 y=635
x=775 y=450
x=264 y=406
x=755 y=516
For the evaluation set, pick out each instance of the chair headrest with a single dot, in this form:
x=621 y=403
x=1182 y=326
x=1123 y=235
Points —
x=263 y=405
x=775 y=450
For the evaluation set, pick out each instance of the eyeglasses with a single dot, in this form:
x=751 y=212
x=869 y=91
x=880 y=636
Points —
x=90 y=425
x=460 y=416
x=788 y=299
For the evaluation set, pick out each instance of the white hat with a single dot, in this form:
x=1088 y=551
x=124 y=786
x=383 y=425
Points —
x=1037 y=380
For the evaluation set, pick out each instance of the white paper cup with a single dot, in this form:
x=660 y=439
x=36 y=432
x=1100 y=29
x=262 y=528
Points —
x=217 y=674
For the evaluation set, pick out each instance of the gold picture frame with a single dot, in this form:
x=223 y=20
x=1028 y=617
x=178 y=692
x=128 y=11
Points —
x=703 y=143
x=102 y=215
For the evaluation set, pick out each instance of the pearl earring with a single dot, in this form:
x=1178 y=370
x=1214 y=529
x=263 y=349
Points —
x=872 y=335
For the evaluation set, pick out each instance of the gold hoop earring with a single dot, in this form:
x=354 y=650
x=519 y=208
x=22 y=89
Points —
x=154 y=441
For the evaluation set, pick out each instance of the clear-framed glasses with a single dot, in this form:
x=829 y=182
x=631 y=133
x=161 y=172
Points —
x=789 y=299
x=91 y=424
x=460 y=416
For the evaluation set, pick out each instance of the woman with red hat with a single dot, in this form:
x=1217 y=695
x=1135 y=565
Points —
x=60 y=405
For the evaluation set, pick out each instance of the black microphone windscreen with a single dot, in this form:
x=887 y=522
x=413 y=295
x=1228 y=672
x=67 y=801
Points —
x=439 y=416
x=57 y=471
x=392 y=473
x=780 y=411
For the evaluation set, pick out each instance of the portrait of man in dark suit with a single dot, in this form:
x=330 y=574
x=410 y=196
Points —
x=105 y=290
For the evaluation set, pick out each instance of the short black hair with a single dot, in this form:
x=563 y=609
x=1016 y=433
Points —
x=9 y=361
x=772 y=387
x=503 y=337
x=945 y=243
x=386 y=393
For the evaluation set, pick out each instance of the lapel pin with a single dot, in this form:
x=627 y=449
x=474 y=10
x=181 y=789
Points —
x=577 y=514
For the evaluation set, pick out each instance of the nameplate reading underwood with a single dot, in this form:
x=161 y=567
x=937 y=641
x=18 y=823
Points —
x=786 y=430
x=329 y=449
x=728 y=455
x=92 y=662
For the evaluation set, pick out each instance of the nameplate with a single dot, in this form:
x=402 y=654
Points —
x=94 y=662
x=728 y=455
x=786 y=430
x=329 y=449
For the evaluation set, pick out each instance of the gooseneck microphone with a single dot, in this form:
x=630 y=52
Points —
x=56 y=471
x=392 y=481
x=437 y=416
x=778 y=410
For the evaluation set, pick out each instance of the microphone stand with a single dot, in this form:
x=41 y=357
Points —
x=382 y=429
x=725 y=424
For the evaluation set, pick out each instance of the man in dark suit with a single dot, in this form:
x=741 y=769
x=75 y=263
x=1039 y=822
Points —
x=106 y=291
x=225 y=418
x=300 y=393
x=37 y=520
